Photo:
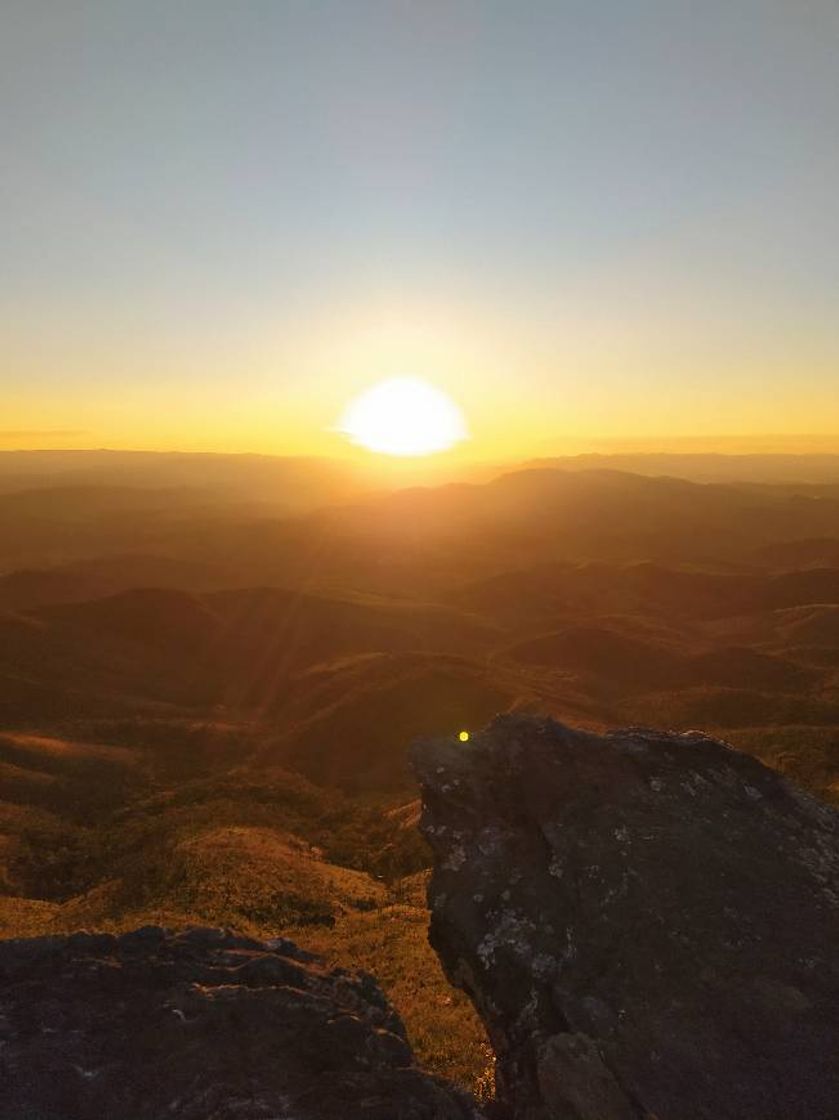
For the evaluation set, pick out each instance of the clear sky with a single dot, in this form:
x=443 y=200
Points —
x=603 y=217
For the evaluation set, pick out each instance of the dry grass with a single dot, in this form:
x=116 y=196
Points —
x=392 y=943
x=276 y=890
x=26 y=917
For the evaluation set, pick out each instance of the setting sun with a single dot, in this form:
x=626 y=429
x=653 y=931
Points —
x=404 y=416
x=419 y=539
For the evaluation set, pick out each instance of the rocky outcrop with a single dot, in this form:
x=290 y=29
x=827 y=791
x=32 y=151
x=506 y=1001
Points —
x=201 y=1025
x=647 y=923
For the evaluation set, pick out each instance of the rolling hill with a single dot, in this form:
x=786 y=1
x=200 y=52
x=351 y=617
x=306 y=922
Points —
x=206 y=702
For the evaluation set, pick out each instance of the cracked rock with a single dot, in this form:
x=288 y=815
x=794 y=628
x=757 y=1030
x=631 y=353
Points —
x=201 y=1025
x=648 y=923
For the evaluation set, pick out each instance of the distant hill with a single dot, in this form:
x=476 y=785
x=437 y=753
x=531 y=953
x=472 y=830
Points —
x=101 y=576
x=283 y=482
x=207 y=696
x=742 y=465
x=521 y=597
x=352 y=728
x=820 y=552
x=415 y=542
x=800 y=588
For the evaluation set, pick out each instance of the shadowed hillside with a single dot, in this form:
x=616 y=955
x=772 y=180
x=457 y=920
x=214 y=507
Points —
x=205 y=710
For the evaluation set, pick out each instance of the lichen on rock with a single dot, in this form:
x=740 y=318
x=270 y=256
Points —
x=646 y=922
x=202 y=1025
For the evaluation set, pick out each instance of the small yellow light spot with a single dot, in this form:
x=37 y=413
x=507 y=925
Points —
x=464 y=736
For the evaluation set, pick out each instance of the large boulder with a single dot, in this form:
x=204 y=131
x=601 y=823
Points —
x=647 y=923
x=201 y=1025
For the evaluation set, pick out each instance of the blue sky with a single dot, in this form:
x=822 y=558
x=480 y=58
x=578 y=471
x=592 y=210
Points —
x=222 y=219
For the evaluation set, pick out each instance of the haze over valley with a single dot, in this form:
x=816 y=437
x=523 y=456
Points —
x=206 y=703
x=419 y=560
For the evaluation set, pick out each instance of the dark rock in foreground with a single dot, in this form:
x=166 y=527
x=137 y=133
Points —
x=648 y=923
x=200 y=1025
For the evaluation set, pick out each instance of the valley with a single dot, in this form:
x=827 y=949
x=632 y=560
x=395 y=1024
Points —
x=214 y=730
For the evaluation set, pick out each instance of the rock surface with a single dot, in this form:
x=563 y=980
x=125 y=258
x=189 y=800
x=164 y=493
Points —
x=201 y=1025
x=648 y=923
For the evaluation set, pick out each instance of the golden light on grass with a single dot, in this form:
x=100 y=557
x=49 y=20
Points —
x=404 y=416
x=464 y=736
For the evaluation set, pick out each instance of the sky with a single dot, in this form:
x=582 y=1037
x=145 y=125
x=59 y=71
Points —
x=611 y=219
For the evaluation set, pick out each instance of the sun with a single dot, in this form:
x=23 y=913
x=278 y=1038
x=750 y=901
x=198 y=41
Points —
x=404 y=416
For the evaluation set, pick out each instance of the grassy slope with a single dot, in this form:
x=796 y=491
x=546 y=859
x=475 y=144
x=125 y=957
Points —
x=388 y=940
x=265 y=853
x=391 y=942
